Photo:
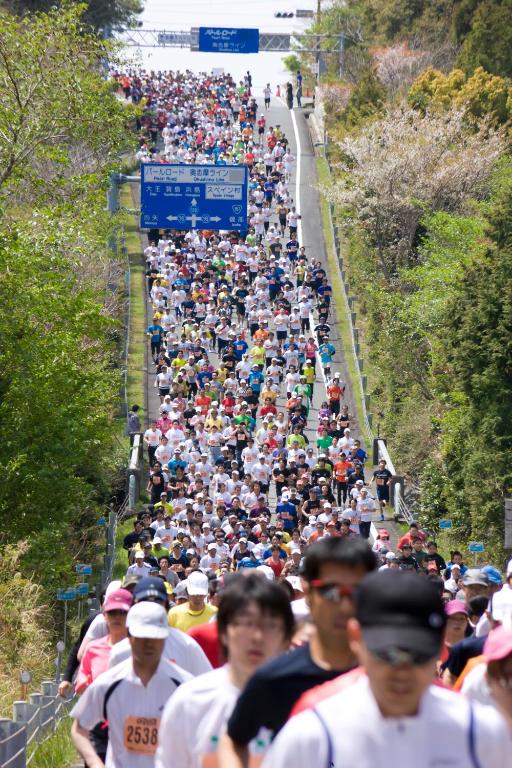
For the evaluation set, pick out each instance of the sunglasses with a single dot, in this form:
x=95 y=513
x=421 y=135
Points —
x=332 y=592
x=116 y=612
x=396 y=657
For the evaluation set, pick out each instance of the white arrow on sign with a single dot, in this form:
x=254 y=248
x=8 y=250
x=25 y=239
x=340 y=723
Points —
x=214 y=218
x=193 y=202
x=172 y=218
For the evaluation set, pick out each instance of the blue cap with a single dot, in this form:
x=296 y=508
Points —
x=247 y=562
x=493 y=574
x=149 y=587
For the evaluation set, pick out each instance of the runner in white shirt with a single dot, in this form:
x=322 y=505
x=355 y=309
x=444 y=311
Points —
x=393 y=713
x=179 y=647
x=255 y=623
x=139 y=568
x=130 y=696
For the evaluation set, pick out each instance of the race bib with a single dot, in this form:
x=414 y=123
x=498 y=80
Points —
x=141 y=734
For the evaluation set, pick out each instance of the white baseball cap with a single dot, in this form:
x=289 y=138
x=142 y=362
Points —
x=267 y=571
x=197 y=583
x=148 y=620
x=116 y=584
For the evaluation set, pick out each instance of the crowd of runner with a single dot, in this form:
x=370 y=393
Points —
x=254 y=587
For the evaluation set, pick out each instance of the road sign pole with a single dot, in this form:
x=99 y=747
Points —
x=65 y=622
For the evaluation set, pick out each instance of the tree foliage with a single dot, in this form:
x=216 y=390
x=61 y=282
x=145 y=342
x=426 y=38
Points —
x=57 y=113
x=478 y=354
x=405 y=165
x=481 y=95
x=61 y=132
x=101 y=15
x=485 y=32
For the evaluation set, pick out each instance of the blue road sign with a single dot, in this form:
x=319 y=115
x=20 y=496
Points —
x=228 y=40
x=476 y=546
x=102 y=521
x=66 y=594
x=193 y=196
x=445 y=523
x=84 y=569
x=82 y=589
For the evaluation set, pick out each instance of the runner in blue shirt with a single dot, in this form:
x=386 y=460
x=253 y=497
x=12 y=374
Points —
x=326 y=352
x=156 y=334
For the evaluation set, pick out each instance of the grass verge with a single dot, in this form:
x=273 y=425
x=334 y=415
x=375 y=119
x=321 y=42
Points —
x=136 y=373
x=58 y=751
x=342 y=309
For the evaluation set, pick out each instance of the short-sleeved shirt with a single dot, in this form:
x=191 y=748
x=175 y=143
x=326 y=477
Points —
x=183 y=617
x=270 y=694
x=133 y=710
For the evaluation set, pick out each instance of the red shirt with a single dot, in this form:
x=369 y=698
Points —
x=276 y=565
x=207 y=636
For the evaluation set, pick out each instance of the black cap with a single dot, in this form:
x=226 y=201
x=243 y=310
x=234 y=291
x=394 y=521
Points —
x=400 y=611
x=150 y=586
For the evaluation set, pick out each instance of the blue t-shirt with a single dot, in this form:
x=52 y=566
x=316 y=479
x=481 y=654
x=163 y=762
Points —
x=156 y=332
x=288 y=513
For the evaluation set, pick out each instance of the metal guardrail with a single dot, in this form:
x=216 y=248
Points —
x=33 y=722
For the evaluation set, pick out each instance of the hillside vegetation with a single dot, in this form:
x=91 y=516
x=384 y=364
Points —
x=418 y=118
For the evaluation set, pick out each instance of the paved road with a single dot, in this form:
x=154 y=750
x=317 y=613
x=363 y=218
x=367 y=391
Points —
x=307 y=199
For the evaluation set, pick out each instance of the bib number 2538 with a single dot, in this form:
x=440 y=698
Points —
x=141 y=734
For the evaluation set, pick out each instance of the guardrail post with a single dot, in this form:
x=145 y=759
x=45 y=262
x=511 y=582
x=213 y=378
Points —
x=375 y=452
x=13 y=744
x=396 y=493
x=49 y=688
x=36 y=699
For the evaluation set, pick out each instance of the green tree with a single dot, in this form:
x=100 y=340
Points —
x=477 y=426
x=487 y=38
x=102 y=15
x=482 y=94
x=58 y=115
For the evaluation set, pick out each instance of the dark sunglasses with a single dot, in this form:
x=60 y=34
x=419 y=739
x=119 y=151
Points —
x=395 y=657
x=332 y=592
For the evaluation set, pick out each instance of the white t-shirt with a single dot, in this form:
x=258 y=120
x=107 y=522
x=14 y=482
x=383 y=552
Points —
x=129 y=701
x=152 y=437
x=193 y=725
x=179 y=648
x=360 y=736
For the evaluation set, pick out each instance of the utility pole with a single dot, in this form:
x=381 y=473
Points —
x=318 y=18
x=341 y=60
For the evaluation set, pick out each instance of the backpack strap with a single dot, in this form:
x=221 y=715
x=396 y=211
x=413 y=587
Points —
x=330 y=748
x=110 y=690
x=475 y=762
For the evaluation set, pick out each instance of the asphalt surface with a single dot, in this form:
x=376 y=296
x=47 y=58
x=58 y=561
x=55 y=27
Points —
x=307 y=201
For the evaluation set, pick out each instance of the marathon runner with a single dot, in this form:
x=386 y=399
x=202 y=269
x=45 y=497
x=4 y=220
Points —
x=256 y=465
x=255 y=622
x=131 y=696
x=394 y=711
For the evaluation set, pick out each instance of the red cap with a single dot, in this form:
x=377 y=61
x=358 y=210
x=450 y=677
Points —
x=498 y=644
x=455 y=606
x=118 y=600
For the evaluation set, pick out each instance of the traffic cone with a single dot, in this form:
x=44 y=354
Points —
x=278 y=92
